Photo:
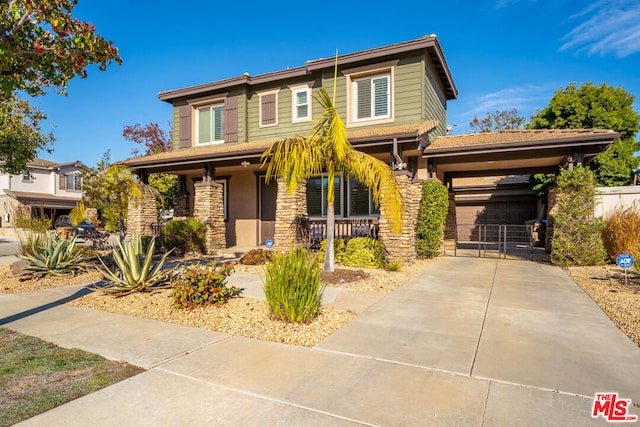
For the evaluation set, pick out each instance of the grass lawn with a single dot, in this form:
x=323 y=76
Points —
x=36 y=376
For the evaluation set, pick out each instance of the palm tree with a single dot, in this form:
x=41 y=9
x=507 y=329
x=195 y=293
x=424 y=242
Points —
x=294 y=160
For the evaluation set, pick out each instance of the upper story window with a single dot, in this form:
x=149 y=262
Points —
x=370 y=97
x=301 y=103
x=210 y=124
x=26 y=176
x=73 y=183
x=268 y=108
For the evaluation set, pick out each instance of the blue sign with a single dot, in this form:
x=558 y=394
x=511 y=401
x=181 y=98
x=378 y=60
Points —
x=624 y=260
x=268 y=243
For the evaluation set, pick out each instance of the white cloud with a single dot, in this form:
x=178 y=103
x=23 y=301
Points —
x=606 y=26
x=524 y=98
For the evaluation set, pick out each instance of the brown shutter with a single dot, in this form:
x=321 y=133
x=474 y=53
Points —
x=231 y=119
x=185 y=126
x=62 y=182
x=268 y=109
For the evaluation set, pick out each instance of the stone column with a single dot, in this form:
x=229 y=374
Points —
x=181 y=205
x=209 y=209
x=552 y=209
x=291 y=212
x=142 y=215
x=402 y=247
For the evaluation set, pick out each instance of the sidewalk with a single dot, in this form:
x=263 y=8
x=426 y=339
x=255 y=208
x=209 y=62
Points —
x=492 y=343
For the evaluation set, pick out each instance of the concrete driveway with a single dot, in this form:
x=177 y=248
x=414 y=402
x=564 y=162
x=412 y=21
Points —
x=470 y=342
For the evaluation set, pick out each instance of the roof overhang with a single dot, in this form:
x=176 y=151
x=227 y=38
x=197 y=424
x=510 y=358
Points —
x=371 y=140
x=515 y=152
x=43 y=199
x=428 y=43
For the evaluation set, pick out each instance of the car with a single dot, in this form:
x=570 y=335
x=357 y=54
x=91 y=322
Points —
x=65 y=221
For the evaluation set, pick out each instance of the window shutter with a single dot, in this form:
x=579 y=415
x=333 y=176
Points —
x=314 y=197
x=363 y=92
x=185 y=126
x=231 y=119
x=268 y=109
x=217 y=113
x=381 y=96
x=62 y=181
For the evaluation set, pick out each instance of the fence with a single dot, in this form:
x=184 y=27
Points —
x=498 y=240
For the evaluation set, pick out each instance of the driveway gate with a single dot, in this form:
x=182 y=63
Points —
x=495 y=241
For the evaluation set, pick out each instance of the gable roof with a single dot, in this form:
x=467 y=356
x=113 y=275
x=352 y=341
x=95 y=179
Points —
x=428 y=43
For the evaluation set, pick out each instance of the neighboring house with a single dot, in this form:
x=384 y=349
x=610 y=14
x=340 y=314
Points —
x=53 y=187
x=393 y=100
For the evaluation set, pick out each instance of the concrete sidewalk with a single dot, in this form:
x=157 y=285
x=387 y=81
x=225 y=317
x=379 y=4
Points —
x=485 y=343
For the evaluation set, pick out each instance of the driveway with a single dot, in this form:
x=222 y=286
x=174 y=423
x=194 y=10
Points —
x=470 y=342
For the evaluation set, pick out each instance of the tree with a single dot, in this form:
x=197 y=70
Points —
x=294 y=160
x=152 y=136
x=500 y=120
x=42 y=45
x=597 y=107
x=155 y=140
x=20 y=134
x=109 y=187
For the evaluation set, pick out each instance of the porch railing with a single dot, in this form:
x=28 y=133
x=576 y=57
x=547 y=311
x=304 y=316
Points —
x=345 y=228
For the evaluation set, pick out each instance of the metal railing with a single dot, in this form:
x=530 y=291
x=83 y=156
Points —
x=344 y=228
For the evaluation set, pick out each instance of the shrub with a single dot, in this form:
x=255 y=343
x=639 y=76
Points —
x=185 y=235
x=48 y=254
x=577 y=236
x=136 y=270
x=393 y=266
x=292 y=289
x=621 y=233
x=198 y=284
x=364 y=252
x=25 y=217
x=338 y=250
x=256 y=257
x=432 y=218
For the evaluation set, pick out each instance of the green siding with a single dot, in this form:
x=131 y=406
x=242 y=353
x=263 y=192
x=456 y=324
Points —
x=417 y=94
x=435 y=102
x=175 y=137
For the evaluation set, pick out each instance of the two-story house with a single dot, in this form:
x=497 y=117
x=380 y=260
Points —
x=53 y=187
x=393 y=100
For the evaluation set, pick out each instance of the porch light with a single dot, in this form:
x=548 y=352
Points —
x=245 y=163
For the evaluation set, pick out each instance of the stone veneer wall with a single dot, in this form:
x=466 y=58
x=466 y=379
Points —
x=181 y=204
x=402 y=247
x=142 y=214
x=450 y=227
x=209 y=209
x=552 y=209
x=289 y=208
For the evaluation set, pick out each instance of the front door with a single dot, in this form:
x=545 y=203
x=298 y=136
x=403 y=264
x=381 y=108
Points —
x=267 y=209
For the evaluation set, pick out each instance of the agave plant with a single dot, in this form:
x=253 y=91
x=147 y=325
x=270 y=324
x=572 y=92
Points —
x=137 y=272
x=48 y=254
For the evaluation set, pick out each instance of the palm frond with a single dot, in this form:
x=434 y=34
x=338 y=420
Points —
x=379 y=177
x=293 y=160
x=330 y=130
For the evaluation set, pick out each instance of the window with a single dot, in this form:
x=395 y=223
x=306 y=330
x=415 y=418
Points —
x=73 y=183
x=26 y=175
x=371 y=96
x=317 y=196
x=268 y=108
x=360 y=200
x=210 y=124
x=301 y=104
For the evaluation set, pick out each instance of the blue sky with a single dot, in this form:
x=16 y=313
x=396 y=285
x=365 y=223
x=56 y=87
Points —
x=503 y=54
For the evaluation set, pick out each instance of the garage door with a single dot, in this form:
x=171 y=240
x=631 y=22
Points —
x=515 y=212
